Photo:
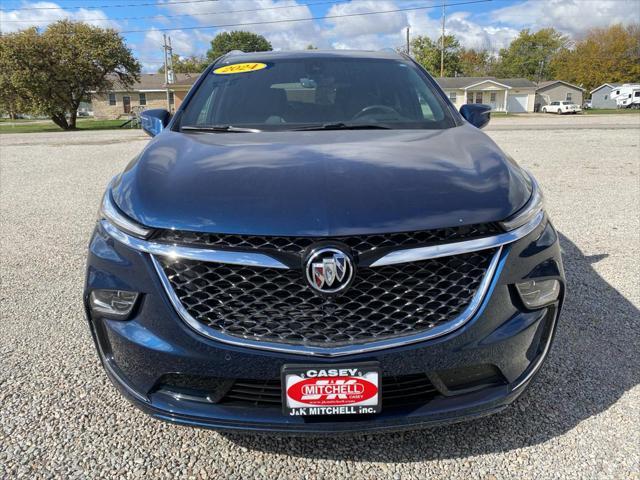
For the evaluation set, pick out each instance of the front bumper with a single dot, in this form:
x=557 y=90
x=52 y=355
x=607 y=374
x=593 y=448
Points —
x=502 y=337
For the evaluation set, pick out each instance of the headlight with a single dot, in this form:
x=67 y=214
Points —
x=110 y=212
x=530 y=210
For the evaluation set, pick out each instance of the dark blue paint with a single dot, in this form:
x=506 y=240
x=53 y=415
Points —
x=155 y=341
x=321 y=183
x=477 y=115
x=154 y=121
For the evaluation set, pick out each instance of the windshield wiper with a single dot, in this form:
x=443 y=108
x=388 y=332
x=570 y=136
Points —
x=345 y=126
x=219 y=129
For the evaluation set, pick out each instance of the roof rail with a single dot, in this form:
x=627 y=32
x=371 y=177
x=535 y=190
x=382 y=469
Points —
x=234 y=52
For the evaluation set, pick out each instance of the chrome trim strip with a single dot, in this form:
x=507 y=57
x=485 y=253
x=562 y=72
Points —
x=435 y=332
x=538 y=363
x=457 y=248
x=189 y=253
x=109 y=210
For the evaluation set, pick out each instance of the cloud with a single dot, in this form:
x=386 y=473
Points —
x=473 y=35
x=351 y=27
x=574 y=17
x=388 y=31
x=286 y=36
x=49 y=12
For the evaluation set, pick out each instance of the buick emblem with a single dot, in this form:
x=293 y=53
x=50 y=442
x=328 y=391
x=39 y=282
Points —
x=329 y=270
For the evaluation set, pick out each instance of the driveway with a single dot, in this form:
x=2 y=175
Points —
x=61 y=418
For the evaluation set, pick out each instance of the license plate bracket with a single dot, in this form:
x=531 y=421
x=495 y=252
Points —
x=322 y=390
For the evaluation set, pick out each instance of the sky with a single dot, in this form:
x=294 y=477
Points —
x=192 y=24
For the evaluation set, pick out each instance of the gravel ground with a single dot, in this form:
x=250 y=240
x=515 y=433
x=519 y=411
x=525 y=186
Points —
x=61 y=418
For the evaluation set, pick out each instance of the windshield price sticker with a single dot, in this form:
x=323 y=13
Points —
x=239 y=68
x=331 y=390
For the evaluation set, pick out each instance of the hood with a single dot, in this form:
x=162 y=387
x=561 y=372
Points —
x=322 y=183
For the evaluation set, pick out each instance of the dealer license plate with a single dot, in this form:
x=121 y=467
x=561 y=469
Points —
x=331 y=389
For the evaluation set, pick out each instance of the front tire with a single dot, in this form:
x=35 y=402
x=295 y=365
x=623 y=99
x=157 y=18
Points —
x=544 y=109
x=559 y=111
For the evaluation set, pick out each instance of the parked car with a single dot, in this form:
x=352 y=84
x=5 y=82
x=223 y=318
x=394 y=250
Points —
x=587 y=105
x=319 y=241
x=561 y=107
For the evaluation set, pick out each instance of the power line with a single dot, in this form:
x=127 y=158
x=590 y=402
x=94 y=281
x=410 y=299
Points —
x=333 y=2
x=176 y=2
x=326 y=17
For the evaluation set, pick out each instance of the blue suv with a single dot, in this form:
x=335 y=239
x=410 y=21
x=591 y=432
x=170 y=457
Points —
x=319 y=241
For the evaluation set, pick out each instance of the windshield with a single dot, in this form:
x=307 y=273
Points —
x=286 y=94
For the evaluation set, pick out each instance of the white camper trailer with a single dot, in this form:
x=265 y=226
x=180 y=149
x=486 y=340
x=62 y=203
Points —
x=627 y=95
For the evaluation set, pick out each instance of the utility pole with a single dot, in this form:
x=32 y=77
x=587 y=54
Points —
x=408 y=44
x=168 y=67
x=442 y=45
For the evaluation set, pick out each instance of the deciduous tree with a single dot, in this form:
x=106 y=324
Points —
x=237 y=40
x=530 y=54
x=476 y=63
x=191 y=64
x=53 y=71
x=604 y=55
x=427 y=53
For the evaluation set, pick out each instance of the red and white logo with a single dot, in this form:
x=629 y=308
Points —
x=332 y=391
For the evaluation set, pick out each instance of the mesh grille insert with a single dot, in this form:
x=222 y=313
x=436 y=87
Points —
x=265 y=304
x=359 y=244
x=397 y=391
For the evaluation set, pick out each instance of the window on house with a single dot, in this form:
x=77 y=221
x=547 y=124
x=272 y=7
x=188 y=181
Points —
x=453 y=96
x=143 y=99
x=171 y=99
x=606 y=97
x=568 y=99
x=112 y=99
x=478 y=97
x=493 y=97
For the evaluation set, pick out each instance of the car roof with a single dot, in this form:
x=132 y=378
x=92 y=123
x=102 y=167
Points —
x=296 y=54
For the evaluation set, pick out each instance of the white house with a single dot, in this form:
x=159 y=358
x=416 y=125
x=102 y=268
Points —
x=514 y=95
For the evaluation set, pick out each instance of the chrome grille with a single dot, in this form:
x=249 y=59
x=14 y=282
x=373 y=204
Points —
x=273 y=305
x=359 y=244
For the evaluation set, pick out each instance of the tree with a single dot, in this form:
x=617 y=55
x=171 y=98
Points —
x=476 y=63
x=53 y=71
x=427 y=53
x=530 y=54
x=311 y=46
x=604 y=55
x=191 y=64
x=237 y=40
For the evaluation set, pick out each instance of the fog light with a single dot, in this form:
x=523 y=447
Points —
x=537 y=293
x=116 y=304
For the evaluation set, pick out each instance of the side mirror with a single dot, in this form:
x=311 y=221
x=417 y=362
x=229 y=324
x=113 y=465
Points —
x=476 y=114
x=154 y=121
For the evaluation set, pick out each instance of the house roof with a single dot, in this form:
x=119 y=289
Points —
x=610 y=85
x=155 y=82
x=543 y=85
x=464 y=82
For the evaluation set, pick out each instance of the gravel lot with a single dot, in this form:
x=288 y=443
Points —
x=60 y=417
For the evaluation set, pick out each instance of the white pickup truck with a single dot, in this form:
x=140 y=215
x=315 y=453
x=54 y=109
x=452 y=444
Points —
x=561 y=107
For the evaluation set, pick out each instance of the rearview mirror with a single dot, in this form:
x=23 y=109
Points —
x=154 y=121
x=476 y=114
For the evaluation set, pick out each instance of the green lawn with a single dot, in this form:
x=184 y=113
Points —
x=607 y=111
x=20 y=120
x=85 y=124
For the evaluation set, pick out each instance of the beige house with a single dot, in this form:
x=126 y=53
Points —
x=513 y=95
x=150 y=92
x=558 y=91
